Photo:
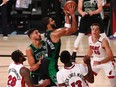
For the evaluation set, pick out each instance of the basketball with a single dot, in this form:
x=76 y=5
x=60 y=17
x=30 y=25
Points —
x=68 y=3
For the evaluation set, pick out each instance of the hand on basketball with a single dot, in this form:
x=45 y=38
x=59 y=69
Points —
x=86 y=59
x=71 y=8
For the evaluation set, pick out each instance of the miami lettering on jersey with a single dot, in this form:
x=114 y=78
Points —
x=95 y=49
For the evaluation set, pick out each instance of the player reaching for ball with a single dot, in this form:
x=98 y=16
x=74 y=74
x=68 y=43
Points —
x=70 y=2
x=53 y=39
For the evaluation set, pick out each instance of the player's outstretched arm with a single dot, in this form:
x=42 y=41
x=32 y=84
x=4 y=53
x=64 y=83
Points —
x=67 y=30
x=58 y=33
x=89 y=77
x=73 y=28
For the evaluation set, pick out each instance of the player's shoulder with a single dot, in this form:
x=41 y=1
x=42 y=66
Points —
x=60 y=71
x=90 y=37
x=28 y=48
x=79 y=66
x=103 y=39
x=105 y=42
x=11 y=65
x=24 y=71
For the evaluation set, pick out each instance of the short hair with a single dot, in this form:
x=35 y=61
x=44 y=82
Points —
x=45 y=21
x=30 y=31
x=96 y=24
x=16 y=55
x=65 y=56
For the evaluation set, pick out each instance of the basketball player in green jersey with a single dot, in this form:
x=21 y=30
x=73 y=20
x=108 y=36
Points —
x=52 y=38
x=35 y=53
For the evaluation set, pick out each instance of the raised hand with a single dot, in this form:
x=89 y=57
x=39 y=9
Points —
x=71 y=8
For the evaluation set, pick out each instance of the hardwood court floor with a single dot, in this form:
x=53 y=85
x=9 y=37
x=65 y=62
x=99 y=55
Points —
x=22 y=41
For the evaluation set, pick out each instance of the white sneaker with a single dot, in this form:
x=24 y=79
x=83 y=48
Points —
x=5 y=37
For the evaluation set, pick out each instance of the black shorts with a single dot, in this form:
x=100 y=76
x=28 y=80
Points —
x=87 y=21
x=35 y=78
x=44 y=69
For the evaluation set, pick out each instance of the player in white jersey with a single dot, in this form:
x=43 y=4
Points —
x=74 y=75
x=14 y=77
x=102 y=54
x=18 y=75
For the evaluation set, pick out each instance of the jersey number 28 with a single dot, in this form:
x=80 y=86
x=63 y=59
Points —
x=11 y=80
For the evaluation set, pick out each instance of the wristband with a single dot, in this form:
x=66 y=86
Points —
x=67 y=25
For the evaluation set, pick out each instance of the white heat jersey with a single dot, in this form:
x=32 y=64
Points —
x=14 y=77
x=98 y=50
x=73 y=76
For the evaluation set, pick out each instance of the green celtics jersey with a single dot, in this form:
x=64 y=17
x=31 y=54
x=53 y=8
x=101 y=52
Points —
x=38 y=52
x=53 y=55
x=52 y=48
